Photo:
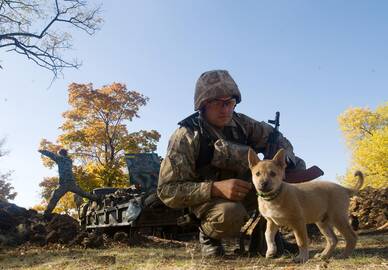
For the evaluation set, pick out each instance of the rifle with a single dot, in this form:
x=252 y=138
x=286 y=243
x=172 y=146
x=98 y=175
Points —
x=272 y=144
x=292 y=175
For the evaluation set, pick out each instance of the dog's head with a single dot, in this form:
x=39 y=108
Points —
x=267 y=175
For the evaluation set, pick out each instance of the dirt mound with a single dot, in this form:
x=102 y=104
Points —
x=19 y=225
x=64 y=227
x=369 y=209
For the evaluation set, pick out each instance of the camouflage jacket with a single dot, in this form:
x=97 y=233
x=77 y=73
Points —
x=181 y=181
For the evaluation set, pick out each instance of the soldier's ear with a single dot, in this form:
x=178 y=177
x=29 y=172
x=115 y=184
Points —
x=253 y=159
x=280 y=158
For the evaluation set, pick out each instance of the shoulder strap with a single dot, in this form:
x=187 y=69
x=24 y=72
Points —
x=206 y=140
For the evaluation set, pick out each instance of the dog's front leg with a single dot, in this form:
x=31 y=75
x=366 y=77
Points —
x=270 y=233
x=300 y=232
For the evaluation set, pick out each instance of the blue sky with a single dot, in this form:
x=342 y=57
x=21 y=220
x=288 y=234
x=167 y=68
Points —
x=310 y=60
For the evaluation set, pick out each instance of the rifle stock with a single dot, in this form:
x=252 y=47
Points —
x=292 y=175
x=299 y=176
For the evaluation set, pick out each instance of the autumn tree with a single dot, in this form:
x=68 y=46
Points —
x=95 y=131
x=6 y=189
x=366 y=135
x=39 y=29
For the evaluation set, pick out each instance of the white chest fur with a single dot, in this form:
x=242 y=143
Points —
x=273 y=212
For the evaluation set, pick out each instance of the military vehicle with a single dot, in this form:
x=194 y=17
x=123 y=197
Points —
x=137 y=208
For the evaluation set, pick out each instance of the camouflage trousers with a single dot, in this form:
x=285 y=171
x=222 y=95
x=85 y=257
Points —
x=222 y=218
x=62 y=190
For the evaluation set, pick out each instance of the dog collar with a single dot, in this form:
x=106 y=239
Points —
x=269 y=196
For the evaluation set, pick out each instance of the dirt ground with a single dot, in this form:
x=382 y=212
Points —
x=156 y=253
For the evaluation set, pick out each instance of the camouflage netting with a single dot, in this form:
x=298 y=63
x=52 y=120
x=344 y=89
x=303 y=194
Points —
x=370 y=207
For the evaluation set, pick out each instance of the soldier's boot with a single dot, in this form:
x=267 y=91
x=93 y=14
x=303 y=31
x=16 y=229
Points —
x=210 y=247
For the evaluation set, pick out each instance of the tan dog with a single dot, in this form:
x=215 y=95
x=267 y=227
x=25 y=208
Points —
x=295 y=205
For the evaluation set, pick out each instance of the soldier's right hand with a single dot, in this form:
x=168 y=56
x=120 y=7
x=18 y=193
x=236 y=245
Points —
x=232 y=189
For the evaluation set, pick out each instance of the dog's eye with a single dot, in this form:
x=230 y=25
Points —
x=258 y=174
x=272 y=173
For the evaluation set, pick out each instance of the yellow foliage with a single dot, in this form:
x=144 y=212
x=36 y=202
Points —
x=66 y=205
x=95 y=133
x=39 y=207
x=366 y=134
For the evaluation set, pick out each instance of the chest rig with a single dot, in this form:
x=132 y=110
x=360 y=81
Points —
x=235 y=134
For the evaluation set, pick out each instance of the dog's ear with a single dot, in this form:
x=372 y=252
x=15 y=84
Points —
x=280 y=158
x=253 y=159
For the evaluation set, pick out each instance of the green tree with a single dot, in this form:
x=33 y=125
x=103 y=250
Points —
x=366 y=135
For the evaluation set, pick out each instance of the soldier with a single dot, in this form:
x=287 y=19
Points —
x=206 y=167
x=66 y=179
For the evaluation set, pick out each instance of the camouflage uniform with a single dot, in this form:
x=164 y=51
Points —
x=66 y=180
x=199 y=154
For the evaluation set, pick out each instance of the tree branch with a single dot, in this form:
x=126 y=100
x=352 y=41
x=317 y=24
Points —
x=43 y=46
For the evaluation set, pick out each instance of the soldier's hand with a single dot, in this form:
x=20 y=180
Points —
x=232 y=189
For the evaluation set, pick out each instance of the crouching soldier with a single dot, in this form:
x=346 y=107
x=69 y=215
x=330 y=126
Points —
x=206 y=165
x=66 y=179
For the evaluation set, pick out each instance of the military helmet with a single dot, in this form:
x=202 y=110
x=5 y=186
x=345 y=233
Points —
x=213 y=84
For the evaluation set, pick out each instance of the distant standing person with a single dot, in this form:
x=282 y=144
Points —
x=66 y=179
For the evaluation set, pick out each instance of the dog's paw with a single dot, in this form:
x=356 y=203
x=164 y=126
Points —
x=271 y=254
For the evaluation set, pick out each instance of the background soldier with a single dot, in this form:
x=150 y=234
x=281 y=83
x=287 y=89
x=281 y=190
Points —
x=66 y=179
x=206 y=165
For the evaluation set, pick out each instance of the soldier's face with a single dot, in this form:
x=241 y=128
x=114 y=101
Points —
x=219 y=111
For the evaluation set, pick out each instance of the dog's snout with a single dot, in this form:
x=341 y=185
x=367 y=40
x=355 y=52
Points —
x=264 y=186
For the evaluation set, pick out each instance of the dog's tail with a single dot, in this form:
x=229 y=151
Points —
x=360 y=182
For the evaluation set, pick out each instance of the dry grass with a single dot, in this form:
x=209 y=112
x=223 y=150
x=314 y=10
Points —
x=371 y=253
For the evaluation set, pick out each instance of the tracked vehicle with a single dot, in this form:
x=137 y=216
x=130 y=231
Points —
x=137 y=208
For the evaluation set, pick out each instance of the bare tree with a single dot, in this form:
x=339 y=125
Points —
x=38 y=29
